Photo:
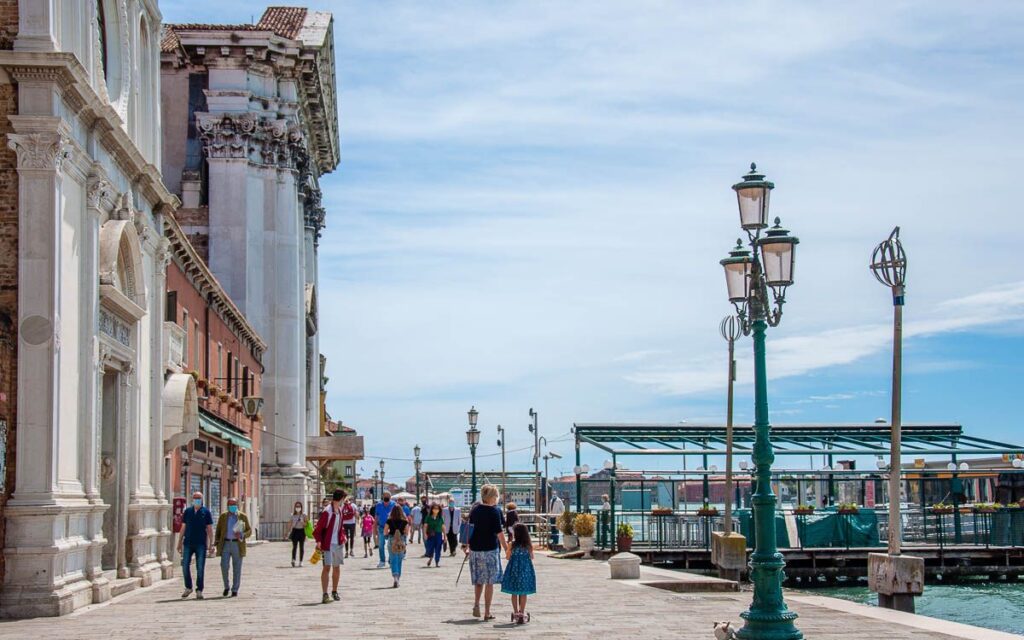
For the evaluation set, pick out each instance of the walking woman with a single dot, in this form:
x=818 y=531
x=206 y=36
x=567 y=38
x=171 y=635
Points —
x=298 y=533
x=520 y=579
x=367 y=533
x=396 y=529
x=433 y=527
x=487 y=536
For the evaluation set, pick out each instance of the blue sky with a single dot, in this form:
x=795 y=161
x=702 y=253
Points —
x=533 y=199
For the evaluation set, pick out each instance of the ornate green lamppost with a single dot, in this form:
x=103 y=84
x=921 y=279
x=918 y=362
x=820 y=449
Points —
x=417 y=465
x=473 y=439
x=750 y=276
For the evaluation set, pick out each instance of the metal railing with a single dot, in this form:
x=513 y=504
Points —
x=688 y=530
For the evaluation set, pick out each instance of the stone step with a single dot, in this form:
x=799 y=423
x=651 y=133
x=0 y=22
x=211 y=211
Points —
x=121 y=586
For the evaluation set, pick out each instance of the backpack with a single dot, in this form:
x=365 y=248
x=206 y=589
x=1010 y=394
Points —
x=398 y=543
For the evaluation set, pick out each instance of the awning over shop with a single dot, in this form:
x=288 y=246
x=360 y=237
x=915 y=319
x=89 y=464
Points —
x=181 y=408
x=216 y=426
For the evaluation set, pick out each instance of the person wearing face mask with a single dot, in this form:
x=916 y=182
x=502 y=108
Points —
x=196 y=538
x=381 y=513
x=298 y=532
x=232 y=530
x=329 y=534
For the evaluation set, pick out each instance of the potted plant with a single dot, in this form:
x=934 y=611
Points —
x=941 y=508
x=987 y=507
x=803 y=510
x=624 y=537
x=661 y=511
x=213 y=390
x=707 y=511
x=585 y=524
x=848 y=509
x=565 y=525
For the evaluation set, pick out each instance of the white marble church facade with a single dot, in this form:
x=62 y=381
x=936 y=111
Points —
x=246 y=151
x=88 y=507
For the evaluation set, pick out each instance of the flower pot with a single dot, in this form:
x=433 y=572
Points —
x=570 y=541
x=624 y=543
x=586 y=545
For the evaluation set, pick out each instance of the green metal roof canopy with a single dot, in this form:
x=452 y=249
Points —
x=789 y=439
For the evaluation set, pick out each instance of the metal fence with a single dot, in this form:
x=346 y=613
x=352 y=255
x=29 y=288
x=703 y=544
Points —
x=688 y=530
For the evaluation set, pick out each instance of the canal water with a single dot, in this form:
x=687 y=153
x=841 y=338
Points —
x=991 y=605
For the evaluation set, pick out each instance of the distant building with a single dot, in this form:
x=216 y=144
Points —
x=520 y=486
x=250 y=125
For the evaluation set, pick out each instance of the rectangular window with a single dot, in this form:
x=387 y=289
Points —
x=245 y=382
x=186 y=325
x=230 y=378
x=195 y=345
x=220 y=364
x=171 y=313
x=200 y=446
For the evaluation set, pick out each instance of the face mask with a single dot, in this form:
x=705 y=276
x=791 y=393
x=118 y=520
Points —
x=197 y=501
x=298 y=509
x=232 y=509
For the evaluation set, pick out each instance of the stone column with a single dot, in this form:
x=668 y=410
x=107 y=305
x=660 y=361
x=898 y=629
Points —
x=36 y=554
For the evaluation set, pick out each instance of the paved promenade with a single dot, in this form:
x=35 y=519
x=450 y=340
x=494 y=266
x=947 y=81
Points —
x=577 y=600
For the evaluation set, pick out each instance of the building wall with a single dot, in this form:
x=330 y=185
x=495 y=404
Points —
x=206 y=329
x=90 y=255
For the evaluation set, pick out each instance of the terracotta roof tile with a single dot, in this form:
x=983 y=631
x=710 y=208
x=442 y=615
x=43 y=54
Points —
x=169 y=40
x=284 y=21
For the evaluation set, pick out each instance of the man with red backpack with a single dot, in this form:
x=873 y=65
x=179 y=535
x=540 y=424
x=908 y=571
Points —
x=329 y=534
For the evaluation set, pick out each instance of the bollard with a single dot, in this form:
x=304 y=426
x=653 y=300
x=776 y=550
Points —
x=625 y=566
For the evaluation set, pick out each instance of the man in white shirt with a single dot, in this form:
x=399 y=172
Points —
x=557 y=509
x=452 y=517
x=417 y=523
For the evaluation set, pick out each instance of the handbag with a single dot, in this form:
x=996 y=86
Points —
x=309 y=529
x=315 y=558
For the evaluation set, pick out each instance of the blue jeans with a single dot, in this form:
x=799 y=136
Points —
x=433 y=544
x=396 y=562
x=187 y=551
x=381 y=542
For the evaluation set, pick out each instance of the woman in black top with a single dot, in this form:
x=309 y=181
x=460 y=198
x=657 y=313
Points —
x=395 y=532
x=486 y=538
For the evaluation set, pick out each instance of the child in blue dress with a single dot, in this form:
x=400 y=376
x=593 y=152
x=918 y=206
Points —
x=519 y=580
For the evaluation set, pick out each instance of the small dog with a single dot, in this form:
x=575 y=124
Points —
x=724 y=631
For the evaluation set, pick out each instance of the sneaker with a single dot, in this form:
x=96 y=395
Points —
x=381 y=565
x=293 y=563
x=234 y=594
x=199 y=595
x=326 y=599
x=366 y=555
x=395 y=585
x=429 y=561
x=226 y=592
x=335 y=596
x=186 y=593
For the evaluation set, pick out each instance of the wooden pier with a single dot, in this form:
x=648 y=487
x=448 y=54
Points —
x=803 y=566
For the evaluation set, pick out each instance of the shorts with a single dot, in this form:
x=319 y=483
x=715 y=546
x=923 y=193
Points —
x=335 y=556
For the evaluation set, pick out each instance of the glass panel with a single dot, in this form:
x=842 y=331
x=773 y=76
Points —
x=736 y=280
x=778 y=262
x=753 y=202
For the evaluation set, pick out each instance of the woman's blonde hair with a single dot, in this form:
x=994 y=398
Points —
x=489 y=493
x=510 y=506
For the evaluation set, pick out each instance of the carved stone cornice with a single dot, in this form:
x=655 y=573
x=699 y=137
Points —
x=40 y=150
x=74 y=82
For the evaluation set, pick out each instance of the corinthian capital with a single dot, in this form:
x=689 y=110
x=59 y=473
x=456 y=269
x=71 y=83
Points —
x=40 y=150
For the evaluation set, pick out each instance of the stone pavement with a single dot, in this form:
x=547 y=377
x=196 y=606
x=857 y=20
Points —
x=576 y=600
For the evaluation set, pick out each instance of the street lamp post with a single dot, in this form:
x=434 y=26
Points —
x=731 y=330
x=416 y=464
x=895 y=577
x=749 y=276
x=535 y=430
x=376 y=481
x=501 y=443
x=382 y=478
x=473 y=439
